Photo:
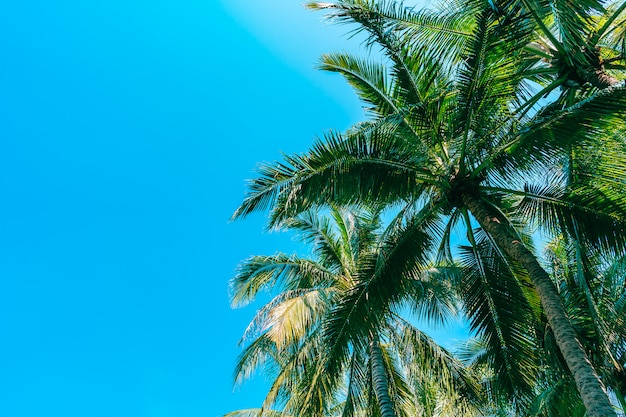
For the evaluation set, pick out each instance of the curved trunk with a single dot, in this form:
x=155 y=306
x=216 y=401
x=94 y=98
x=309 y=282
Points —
x=379 y=380
x=589 y=386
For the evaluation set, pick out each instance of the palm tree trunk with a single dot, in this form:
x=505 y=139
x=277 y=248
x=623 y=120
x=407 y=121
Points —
x=379 y=380
x=600 y=79
x=589 y=386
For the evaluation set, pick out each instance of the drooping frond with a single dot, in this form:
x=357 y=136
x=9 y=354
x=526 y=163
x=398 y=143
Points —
x=356 y=386
x=257 y=354
x=552 y=134
x=587 y=214
x=383 y=278
x=499 y=312
x=257 y=412
x=375 y=165
x=428 y=362
x=434 y=298
x=298 y=382
x=557 y=398
x=369 y=79
x=276 y=271
x=289 y=317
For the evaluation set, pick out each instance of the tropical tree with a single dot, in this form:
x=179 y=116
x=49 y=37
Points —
x=588 y=279
x=593 y=290
x=335 y=337
x=450 y=137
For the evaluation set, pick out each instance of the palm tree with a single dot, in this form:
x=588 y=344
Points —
x=446 y=139
x=593 y=290
x=335 y=336
x=581 y=275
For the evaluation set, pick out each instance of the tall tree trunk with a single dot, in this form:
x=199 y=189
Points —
x=379 y=379
x=589 y=386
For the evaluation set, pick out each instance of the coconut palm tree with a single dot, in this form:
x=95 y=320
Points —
x=335 y=337
x=581 y=274
x=446 y=138
x=593 y=289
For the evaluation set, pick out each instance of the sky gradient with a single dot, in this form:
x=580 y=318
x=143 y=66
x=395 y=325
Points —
x=128 y=129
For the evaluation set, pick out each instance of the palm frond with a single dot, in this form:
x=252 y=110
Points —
x=500 y=313
x=427 y=362
x=370 y=17
x=550 y=135
x=490 y=74
x=356 y=386
x=369 y=80
x=375 y=166
x=318 y=231
x=277 y=271
x=257 y=412
x=559 y=399
x=587 y=214
x=257 y=354
x=383 y=279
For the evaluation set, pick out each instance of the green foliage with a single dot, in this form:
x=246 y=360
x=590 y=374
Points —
x=316 y=336
x=507 y=112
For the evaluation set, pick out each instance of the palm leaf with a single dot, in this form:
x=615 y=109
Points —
x=551 y=135
x=369 y=80
x=500 y=313
x=257 y=412
x=276 y=271
x=374 y=165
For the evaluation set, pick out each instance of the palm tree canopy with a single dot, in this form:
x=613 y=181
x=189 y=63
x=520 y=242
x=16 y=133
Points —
x=463 y=139
x=343 y=309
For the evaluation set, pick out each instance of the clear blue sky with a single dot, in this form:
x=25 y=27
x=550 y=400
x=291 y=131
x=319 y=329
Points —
x=128 y=129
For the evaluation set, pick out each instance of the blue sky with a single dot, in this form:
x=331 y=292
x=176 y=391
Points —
x=128 y=129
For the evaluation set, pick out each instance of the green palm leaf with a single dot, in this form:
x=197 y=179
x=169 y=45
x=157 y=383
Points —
x=264 y=272
x=499 y=312
x=369 y=79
